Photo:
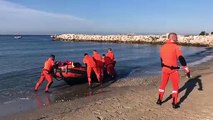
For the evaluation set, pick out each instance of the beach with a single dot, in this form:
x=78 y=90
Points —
x=135 y=99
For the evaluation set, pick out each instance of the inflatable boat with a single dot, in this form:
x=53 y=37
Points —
x=69 y=70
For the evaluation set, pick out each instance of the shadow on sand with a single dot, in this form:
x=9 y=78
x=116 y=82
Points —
x=188 y=87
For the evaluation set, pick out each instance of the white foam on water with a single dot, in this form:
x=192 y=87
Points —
x=205 y=59
x=9 y=102
x=24 y=98
x=16 y=100
x=153 y=72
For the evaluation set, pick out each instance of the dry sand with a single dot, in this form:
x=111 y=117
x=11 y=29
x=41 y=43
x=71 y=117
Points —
x=135 y=99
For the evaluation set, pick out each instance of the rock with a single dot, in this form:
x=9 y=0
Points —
x=100 y=117
x=96 y=112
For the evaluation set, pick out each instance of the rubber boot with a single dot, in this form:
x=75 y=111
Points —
x=175 y=105
x=159 y=102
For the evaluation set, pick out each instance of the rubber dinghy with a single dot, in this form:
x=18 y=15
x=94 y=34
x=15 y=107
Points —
x=69 y=70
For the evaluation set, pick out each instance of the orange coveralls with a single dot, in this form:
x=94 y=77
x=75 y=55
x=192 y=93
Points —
x=91 y=65
x=109 y=63
x=169 y=54
x=45 y=74
x=111 y=55
x=99 y=64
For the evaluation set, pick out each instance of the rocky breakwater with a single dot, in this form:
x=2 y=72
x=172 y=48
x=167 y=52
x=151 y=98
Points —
x=152 y=39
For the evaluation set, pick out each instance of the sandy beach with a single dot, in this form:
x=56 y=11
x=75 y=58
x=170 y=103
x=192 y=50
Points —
x=135 y=99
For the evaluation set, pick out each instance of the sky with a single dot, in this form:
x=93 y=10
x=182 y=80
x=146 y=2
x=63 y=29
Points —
x=105 y=16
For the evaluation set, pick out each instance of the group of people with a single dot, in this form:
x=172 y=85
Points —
x=170 y=53
x=97 y=63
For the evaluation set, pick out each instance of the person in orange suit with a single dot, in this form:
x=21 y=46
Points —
x=91 y=65
x=46 y=73
x=111 y=55
x=99 y=63
x=109 y=64
x=170 y=53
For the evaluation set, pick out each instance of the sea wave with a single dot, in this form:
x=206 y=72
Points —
x=205 y=59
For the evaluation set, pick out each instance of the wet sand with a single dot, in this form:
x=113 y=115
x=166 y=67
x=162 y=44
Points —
x=133 y=99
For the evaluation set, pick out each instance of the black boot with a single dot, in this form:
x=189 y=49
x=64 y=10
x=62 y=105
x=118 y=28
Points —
x=159 y=102
x=175 y=106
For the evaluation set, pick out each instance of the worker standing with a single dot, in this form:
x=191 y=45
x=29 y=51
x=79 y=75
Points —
x=170 y=53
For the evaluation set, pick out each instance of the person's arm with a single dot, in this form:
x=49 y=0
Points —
x=183 y=62
x=52 y=63
x=84 y=61
x=185 y=67
x=113 y=56
x=161 y=61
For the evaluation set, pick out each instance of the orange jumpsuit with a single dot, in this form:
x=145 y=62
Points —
x=45 y=74
x=99 y=64
x=91 y=65
x=109 y=64
x=111 y=55
x=169 y=53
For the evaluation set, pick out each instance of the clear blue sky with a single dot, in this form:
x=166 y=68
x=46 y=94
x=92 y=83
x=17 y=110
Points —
x=105 y=16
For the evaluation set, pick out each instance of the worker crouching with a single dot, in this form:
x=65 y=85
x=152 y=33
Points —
x=91 y=66
x=46 y=73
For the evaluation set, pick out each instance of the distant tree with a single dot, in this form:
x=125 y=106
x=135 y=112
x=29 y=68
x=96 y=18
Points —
x=211 y=33
x=203 y=33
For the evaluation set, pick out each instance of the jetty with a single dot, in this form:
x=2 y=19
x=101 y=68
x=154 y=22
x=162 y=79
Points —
x=189 y=40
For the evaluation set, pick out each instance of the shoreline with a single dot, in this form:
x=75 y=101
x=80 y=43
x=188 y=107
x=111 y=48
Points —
x=199 y=41
x=134 y=98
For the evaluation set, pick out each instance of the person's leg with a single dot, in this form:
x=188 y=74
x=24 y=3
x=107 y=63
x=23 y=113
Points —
x=108 y=70
x=165 y=78
x=111 y=70
x=89 y=71
x=99 y=70
x=50 y=81
x=40 y=81
x=102 y=72
x=175 y=80
x=96 y=73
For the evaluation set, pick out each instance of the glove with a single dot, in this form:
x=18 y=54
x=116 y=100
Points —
x=187 y=71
